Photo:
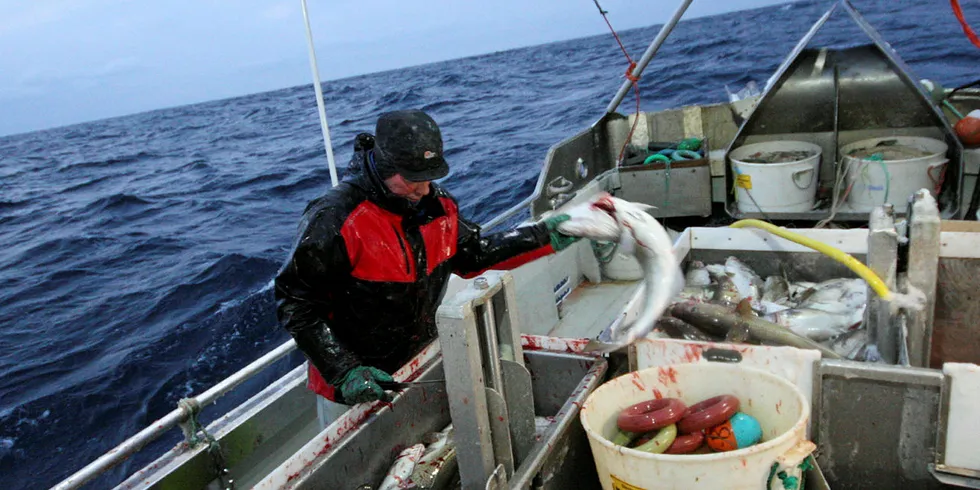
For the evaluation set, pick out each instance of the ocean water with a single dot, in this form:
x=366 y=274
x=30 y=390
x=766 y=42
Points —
x=138 y=252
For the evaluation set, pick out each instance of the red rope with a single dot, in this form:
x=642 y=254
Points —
x=966 y=27
x=629 y=76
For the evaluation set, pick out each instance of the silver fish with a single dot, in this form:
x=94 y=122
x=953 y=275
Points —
x=848 y=294
x=438 y=462
x=719 y=320
x=727 y=292
x=653 y=248
x=679 y=329
x=716 y=270
x=816 y=324
x=697 y=293
x=775 y=289
x=768 y=307
x=851 y=345
x=697 y=275
x=749 y=283
x=798 y=290
x=400 y=474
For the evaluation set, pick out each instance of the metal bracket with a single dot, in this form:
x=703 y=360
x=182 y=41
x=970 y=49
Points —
x=489 y=389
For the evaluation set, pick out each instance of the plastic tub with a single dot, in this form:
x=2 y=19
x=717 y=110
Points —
x=896 y=177
x=780 y=408
x=785 y=186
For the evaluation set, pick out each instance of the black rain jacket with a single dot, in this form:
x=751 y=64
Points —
x=368 y=270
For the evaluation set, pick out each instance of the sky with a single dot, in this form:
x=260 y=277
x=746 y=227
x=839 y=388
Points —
x=69 y=61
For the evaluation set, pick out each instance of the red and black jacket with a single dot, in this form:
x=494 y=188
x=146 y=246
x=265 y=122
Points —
x=368 y=270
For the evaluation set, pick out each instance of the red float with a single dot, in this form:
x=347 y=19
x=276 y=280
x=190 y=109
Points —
x=686 y=443
x=707 y=414
x=651 y=415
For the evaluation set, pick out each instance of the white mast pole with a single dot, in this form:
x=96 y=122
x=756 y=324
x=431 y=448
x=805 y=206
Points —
x=319 y=98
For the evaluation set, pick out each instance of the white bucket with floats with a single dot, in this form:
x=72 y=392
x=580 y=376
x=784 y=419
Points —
x=787 y=185
x=908 y=163
x=780 y=408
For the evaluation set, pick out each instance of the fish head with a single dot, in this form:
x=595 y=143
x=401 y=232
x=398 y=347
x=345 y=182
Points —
x=623 y=210
x=592 y=220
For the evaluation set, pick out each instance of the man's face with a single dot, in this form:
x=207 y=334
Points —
x=413 y=191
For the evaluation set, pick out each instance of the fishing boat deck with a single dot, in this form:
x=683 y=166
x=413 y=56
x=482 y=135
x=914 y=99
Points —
x=591 y=307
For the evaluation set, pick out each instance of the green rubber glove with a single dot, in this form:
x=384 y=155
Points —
x=559 y=240
x=360 y=384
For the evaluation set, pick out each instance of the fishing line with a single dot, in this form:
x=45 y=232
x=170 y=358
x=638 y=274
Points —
x=629 y=76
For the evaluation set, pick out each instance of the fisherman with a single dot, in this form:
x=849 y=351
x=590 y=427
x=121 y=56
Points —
x=360 y=288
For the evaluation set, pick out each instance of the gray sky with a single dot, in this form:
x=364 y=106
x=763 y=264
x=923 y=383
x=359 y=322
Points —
x=68 y=61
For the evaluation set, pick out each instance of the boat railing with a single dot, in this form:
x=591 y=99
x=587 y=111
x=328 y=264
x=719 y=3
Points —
x=187 y=408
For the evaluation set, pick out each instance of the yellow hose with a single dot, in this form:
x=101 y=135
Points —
x=860 y=269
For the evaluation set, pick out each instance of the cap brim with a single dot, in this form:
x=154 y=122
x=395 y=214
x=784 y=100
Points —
x=437 y=170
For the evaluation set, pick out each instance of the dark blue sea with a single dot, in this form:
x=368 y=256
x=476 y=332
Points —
x=138 y=252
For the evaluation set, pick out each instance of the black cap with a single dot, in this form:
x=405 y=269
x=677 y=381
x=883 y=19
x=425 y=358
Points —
x=410 y=143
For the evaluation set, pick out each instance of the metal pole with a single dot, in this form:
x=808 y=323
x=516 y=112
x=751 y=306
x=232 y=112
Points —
x=319 y=98
x=648 y=55
x=169 y=421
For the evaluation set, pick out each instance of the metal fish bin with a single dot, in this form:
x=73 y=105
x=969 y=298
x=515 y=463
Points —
x=559 y=458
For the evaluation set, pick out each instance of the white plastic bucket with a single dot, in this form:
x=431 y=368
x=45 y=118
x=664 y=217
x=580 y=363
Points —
x=780 y=408
x=776 y=187
x=871 y=182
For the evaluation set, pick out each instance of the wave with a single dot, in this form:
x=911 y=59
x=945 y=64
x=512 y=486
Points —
x=209 y=288
x=117 y=203
x=12 y=205
x=87 y=184
x=108 y=162
x=396 y=99
x=442 y=104
x=319 y=180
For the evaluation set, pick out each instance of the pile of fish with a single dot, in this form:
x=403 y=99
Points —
x=731 y=302
x=430 y=464
x=727 y=301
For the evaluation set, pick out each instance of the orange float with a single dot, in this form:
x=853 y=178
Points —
x=968 y=128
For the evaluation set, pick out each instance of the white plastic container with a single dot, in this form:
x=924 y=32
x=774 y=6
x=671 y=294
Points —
x=780 y=408
x=904 y=177
x=776 y=187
